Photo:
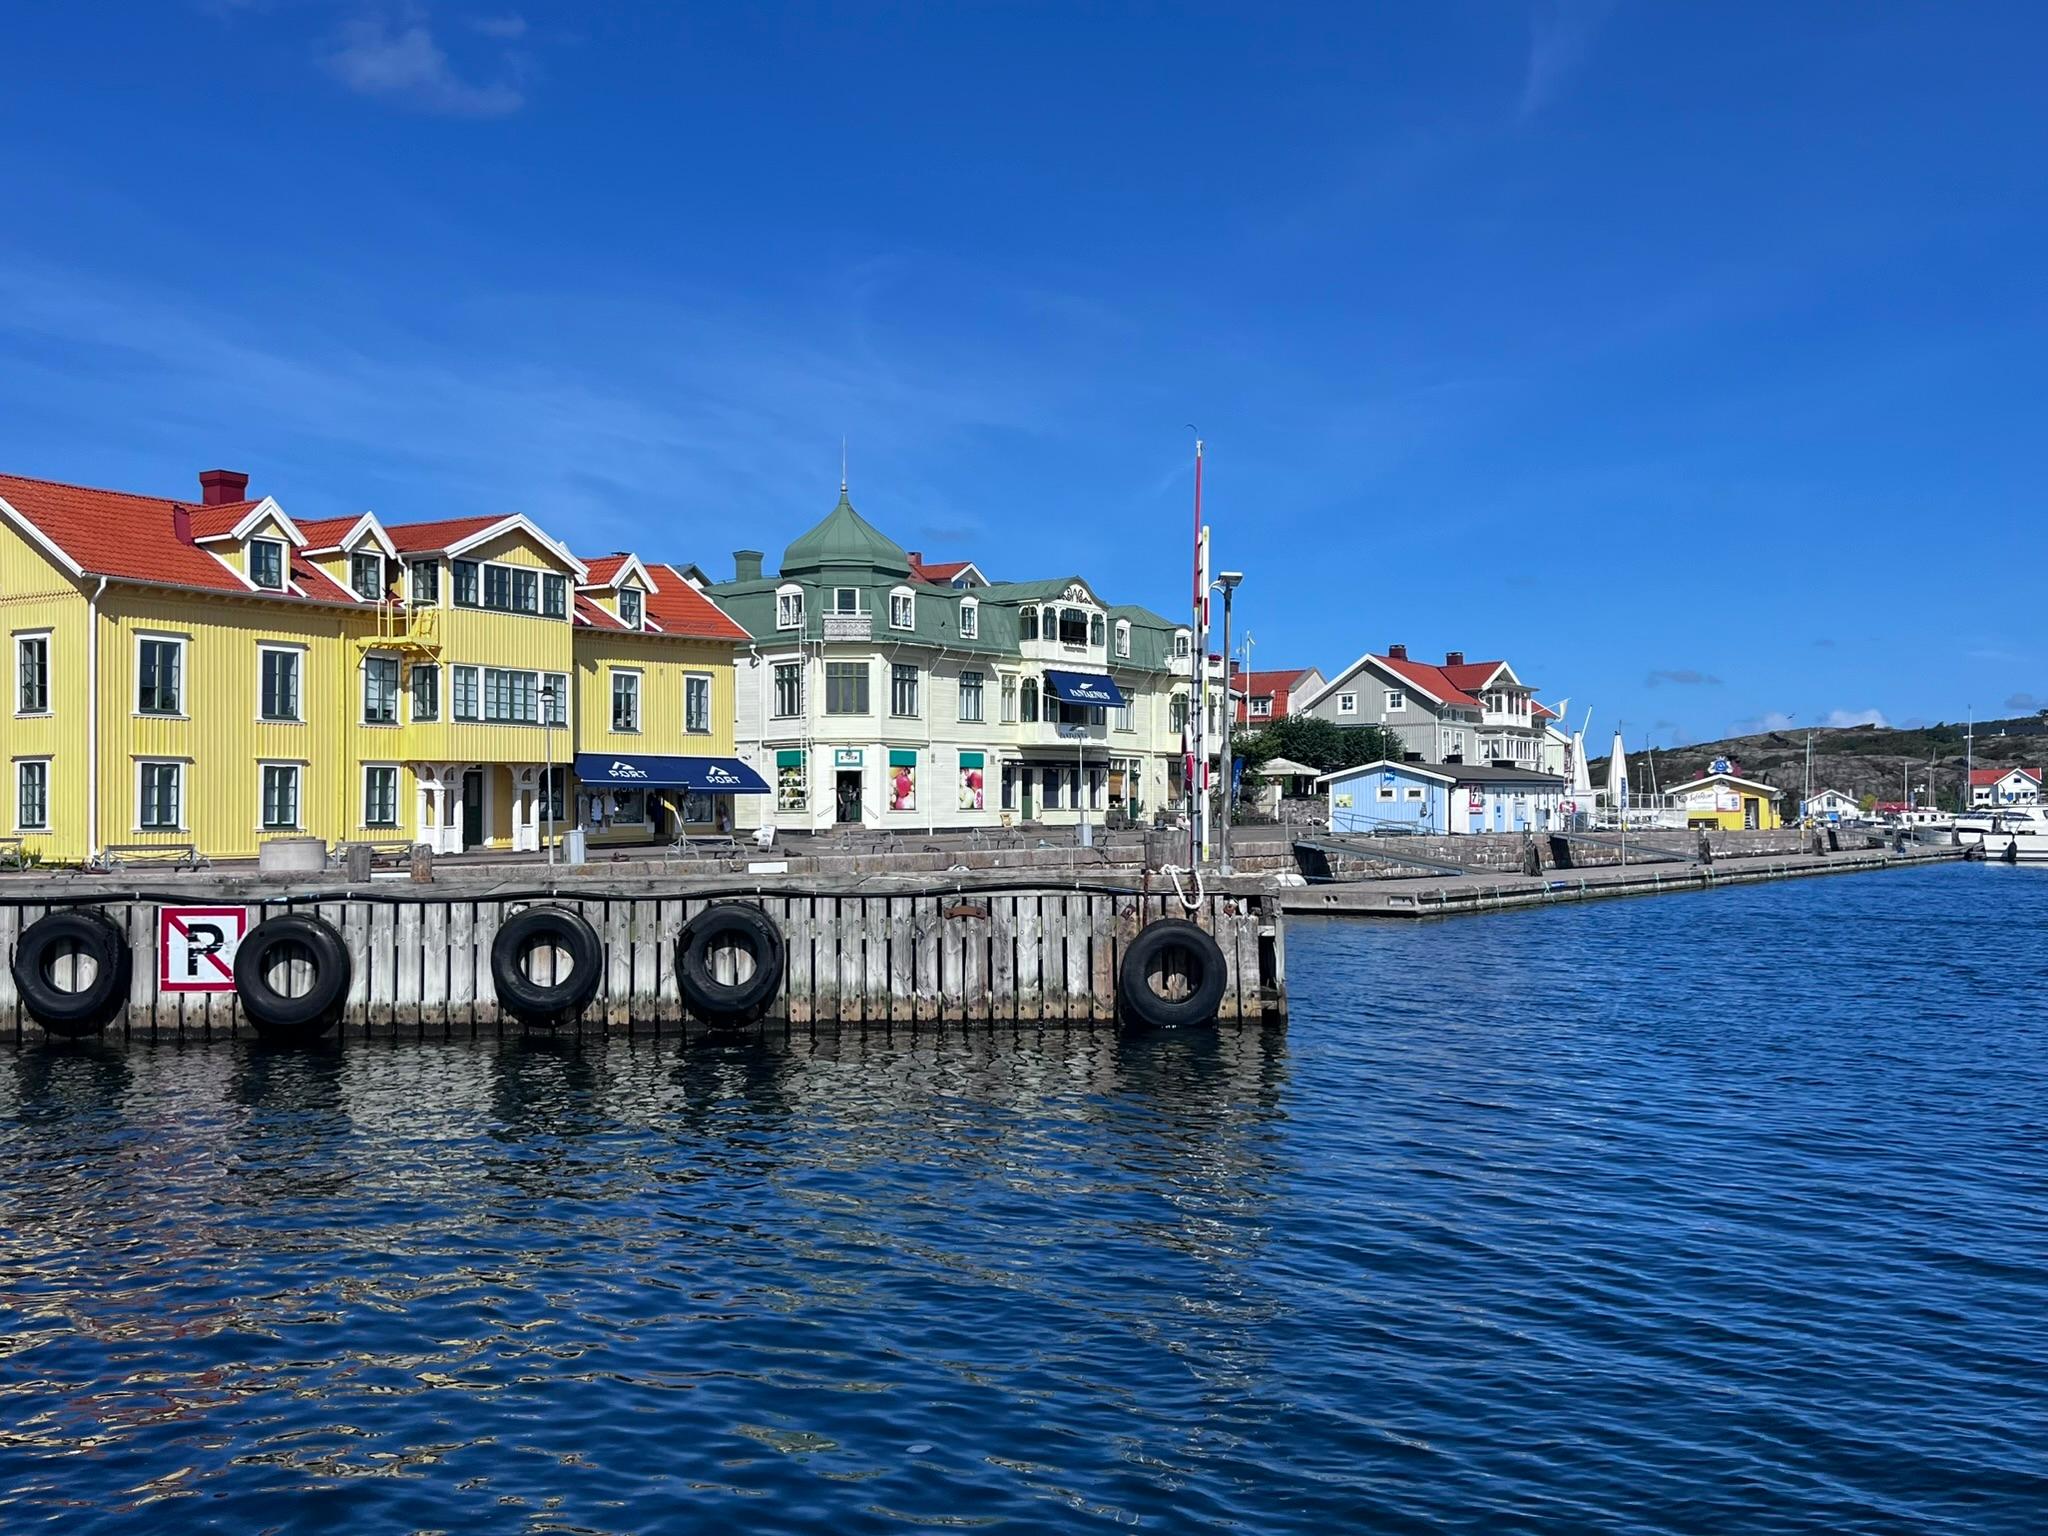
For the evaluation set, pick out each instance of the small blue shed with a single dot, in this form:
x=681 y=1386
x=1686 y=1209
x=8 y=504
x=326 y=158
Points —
x=1442 y=797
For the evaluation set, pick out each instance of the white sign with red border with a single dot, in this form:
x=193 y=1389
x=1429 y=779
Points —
x=195 y=947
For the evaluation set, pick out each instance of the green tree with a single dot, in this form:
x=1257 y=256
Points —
x=1322 y=744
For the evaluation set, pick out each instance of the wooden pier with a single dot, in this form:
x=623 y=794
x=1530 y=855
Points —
x=871 y=957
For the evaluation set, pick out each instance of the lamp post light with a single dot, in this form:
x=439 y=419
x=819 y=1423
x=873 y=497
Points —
x=1226 y=582
x=547 y=783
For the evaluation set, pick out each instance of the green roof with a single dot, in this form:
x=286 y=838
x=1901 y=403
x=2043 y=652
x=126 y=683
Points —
x=845 y=538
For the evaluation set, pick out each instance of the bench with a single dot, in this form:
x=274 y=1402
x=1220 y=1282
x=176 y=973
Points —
x=13 y=853
x=119 y=855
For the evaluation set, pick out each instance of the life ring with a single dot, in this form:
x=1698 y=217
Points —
x=296 y=939
x=1190 y=948
x=556 y=1001
x=729 y=924
x=77 y=934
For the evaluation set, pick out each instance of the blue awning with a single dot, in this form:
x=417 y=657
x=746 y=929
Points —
x=1084 y=688
x=706 y=775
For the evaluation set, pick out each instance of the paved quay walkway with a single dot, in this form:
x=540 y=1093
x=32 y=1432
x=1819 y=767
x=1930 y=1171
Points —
x=1430 y=896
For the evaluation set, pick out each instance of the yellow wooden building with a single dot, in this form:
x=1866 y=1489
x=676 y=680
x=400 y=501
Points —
x=210 y=674
x=1728 y=801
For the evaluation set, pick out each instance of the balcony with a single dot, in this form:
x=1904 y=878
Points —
x=849 y=626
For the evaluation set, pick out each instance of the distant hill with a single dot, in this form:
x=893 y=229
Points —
x=1857 y=760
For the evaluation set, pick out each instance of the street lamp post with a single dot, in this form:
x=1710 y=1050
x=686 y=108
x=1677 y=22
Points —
x=1227 y=582
x=547 y=783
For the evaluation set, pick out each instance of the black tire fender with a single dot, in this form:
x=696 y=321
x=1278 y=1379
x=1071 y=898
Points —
x=1200 y=956
x=546 y=1005
x=90 y=1009
x=729 y=1002
x=273 y=1014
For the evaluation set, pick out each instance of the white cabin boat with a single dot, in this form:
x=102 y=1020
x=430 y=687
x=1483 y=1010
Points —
x=2017 y=834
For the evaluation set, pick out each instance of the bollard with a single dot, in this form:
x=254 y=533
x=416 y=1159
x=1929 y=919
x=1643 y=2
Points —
x=1706 y=848
x=356 y=863
x=422 y=864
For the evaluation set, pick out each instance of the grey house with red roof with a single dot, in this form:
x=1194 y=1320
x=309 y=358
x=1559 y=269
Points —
x=1453 y=711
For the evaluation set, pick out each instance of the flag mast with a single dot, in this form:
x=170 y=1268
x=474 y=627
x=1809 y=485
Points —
x=1198 y=765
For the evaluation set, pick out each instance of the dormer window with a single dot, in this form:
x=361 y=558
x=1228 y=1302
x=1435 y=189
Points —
x=789 y=608
x=846 y=599
x=426 y=584
x=1095 y=629
x=1123 y=638
x=629 y=607
x=1027 y=623
x=1073 y=627
x=902 y=609
x=1183 y=645
x=970 y=619
x=366 y=576
x=266 y=563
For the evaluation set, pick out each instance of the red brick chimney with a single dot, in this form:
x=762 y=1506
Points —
x=1397 y=653
x=218 y=487
x=916 y=556
x=1454 y=658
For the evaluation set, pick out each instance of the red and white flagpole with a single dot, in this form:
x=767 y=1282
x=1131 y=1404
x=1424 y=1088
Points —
x=1198 y=701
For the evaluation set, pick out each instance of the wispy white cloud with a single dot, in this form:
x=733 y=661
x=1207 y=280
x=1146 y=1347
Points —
x=399 y=60
x=1561 y=37
x=1841 y=718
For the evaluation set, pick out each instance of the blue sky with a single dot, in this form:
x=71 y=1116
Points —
x=1689 y=357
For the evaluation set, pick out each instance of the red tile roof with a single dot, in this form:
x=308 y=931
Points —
x=604 y=567
x=938 y=572
x=141 y=538
x=1538 y=710
x=1989 y=776
x=1470 y=676
x=419 y=538
x=327 y=532
x=1432 y=680
x=592 y=616
x=1262 y=683
x=680 y=609
x=211 y=522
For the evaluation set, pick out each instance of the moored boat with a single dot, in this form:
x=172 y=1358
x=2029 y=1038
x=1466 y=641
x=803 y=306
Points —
x=2017 y=834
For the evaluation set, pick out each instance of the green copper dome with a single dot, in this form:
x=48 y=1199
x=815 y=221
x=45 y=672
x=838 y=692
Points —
x=845 y=538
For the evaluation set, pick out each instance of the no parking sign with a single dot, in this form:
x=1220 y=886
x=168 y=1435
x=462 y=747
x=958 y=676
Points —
x=195 y=947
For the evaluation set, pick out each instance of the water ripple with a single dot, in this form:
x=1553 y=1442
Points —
x=1711 y=1213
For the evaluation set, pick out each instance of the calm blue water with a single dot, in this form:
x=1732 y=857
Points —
x=1714 y=1213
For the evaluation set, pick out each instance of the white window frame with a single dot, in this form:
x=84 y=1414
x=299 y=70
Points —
x=412 y=583
x=397 y=692
x=410 y=682
x=363 y=821
x=1183 y=644
x=970 y=619
x=1123 y=639
x=710 y=695
x=639 y=697
x=282 y=648
x=47 y=637
x=383 y=574
x=775 y=711
x=839 y=592
x=980 y=715
x=553 y=711
x=298 y=771
x=1396 y=700
x=36 y=761
x=184 y=645
x=284 y=566
x=1347 y=703
x=476 y=692
x=639 y=600
x=916 y=681
x=789 y=607
x=142 y=764
x=902 y=609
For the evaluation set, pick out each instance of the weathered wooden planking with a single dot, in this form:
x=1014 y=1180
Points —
x=1002 y=994
x=798 y=929
x=902 y=977
x=1030 y=957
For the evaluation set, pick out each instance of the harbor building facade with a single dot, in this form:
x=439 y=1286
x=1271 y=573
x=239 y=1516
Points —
x=210 y=674
x=1457 y=712
x=887 y=691
x=1446 y=799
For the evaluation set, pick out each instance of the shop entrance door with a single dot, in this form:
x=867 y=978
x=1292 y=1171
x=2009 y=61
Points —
x=847 y=800
x=473 y=808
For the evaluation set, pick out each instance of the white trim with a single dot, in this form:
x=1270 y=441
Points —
x=45 y=759
x=710 y=699
x=47 y=635
x=639 y=676
x=184 y=645
x=906 y=595
x=41 y=540
x=790 y=589
x=184 y=801
x=368 y=523
x=265 y=510
x=363 y=822
x=627 y=566
x=363 y=692
x=298 y=649
x=298 y=766
x=970 y=609
x=518 y=522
